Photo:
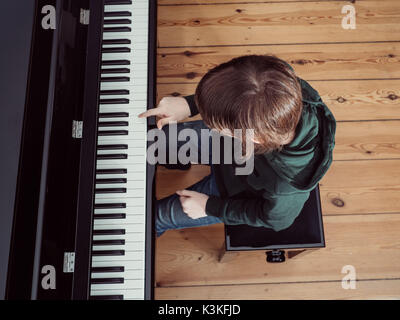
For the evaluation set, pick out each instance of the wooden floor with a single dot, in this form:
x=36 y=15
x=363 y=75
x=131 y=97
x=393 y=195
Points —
x=357 y=73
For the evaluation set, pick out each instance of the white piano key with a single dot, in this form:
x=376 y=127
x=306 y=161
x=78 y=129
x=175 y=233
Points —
x=132 y=225
x=133 y=112
x=122 y=226
x=133 y=103
x=128 y=294
x=136 y=53
x=139 y=43
x=127 y=274
x=129 y=202
x=129 y=211
x=111 y=247
x=128 y=284
x=134 y=127
x=130 y=238
x=136 y=169
x=131 y=247
x=128 y=265
x=138 y=7
x=129 y=219
x=134 y=94
x=134 y=193
x=130 y=160
x=142 y=34
x=138 y=85
x=126 y=225
x=136 y=145
x=138 y=136
x=136 y=259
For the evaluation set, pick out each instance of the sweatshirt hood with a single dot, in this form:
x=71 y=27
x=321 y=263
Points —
x=304 y=161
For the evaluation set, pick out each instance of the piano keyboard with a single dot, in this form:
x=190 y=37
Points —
x=118 y=252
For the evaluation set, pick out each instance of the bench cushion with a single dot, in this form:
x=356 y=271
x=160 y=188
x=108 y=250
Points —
x=305 y=232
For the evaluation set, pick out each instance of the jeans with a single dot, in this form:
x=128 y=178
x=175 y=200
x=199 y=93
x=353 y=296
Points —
x=169 y=212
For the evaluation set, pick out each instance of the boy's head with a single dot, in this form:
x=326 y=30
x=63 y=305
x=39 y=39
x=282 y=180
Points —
x=256 y=92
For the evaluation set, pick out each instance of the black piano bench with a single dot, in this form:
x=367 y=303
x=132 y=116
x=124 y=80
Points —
x=304 y=235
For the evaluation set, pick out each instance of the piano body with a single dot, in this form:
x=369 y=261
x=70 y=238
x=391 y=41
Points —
x=77 y=203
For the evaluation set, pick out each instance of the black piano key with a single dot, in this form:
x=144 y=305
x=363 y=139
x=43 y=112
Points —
x=122 y=62
x=106 y=280
x=114 y=101
x=117 y=21
x=112 y=156
x=114 y=79
x=113 y=92
x=97 y=253
x=117 y=2
x=109 y=190
x=107 y=269
x=113 y=115
x=115 y=70
x=113 y=123
x=116 y=41
x=106 y=216
x=113 y=133
x=117 y=14
x=107 y=297
x=110 y=206
x=117 y=29
x=115 y=50
x=108 y=232
x=113 y=242
x=111 y=171
x=112 y=147
x=111 y=180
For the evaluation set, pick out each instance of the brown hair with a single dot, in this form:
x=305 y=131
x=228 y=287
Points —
x=258 y=92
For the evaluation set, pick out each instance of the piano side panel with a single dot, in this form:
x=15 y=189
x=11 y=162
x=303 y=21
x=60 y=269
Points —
x=63 y=168
x=22 y=250
x=81 y=281
x=16 y=16
x=150 y=190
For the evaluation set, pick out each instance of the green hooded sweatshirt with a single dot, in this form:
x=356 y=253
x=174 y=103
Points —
x=274 y=194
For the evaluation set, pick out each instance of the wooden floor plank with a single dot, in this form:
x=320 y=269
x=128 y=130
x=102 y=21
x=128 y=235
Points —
x=348 y=100
x=370 y=243
x=365 y=290
x=275 y=23
x=311 y=62
x=367 y=140
x=352 y=187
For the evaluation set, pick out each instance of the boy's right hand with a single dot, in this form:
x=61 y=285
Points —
x=168 y=110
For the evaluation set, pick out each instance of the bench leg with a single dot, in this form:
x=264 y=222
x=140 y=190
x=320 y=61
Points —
x=294 y=254
x=226 y=256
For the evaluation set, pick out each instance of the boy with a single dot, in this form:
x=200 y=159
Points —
x=294 y=136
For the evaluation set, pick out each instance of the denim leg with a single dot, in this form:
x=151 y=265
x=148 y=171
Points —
x=169 y=212
x=196 y=144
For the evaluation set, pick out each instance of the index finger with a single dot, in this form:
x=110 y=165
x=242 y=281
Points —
x=150 y=112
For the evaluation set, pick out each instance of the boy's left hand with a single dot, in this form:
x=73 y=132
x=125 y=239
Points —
x=193 y=203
